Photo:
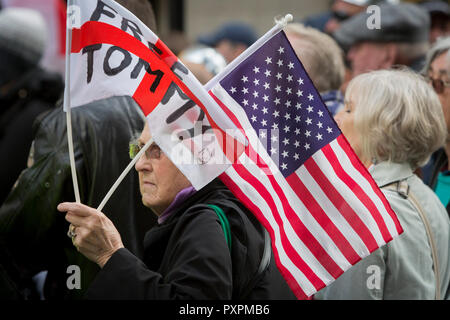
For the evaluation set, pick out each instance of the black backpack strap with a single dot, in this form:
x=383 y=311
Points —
x=265 y=260
x=263 y=265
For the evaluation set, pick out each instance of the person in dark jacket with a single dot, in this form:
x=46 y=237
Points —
x=186 y=255
x=437 y=70
x=32 y=232
x=26 y=90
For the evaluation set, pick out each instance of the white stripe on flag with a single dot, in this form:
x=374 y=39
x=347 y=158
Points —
x=365 y=185
x=349 y=196
x=300 y=210
x=261 y=203
x=298 y=207
x=291 y=235
x=312 y=225
x=332 y=212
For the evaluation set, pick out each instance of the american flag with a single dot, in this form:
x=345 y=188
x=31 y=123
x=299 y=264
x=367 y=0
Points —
x=298 y=174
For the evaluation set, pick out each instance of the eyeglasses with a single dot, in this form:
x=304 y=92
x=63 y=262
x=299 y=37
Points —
x=153 y=152
x=439 y=85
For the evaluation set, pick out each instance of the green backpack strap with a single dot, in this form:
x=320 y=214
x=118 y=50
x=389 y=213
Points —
x=266 y=257
x=224 y=222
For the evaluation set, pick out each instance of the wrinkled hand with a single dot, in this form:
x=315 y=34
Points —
x=96 y=236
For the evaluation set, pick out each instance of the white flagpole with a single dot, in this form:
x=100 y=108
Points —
x=67 y=107
x=124 y=173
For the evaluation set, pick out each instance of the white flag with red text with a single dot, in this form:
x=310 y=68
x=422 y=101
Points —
x=113 y=53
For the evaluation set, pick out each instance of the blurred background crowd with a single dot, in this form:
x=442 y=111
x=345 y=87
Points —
x=207 y=36
x=333 y=39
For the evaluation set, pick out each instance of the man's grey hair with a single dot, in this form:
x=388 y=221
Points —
x=321 y=56
x=441 y=46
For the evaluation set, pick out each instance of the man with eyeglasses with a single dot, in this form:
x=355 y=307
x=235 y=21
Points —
x=437 y=71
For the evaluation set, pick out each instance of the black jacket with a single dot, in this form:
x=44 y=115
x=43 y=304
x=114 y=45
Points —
x=33 y=233
x=34 y=93
x=187 y=257
x=439 y=161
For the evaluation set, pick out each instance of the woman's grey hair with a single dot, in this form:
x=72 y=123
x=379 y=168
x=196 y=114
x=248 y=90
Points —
x=321 y=56
x=441 y=46
x=398 y=115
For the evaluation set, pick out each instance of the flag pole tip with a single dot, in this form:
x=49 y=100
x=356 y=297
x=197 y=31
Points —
x=288 y=18
x=283 y=21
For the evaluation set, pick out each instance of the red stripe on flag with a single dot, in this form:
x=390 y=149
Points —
x=166 y=54
x=357 y=190
x=303 y=233
x=230 y=184
x=322 y=218
x=94 y=32
x=288 y=248
x=228 y=112
x=232 y=147
x=299 y=227
x=355 y=160
x=146 y=99
x=341 y=205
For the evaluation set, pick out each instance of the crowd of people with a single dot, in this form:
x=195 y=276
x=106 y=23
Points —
x=387 y=86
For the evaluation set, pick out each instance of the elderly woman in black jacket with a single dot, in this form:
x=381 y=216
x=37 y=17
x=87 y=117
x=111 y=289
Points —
x=188 y=255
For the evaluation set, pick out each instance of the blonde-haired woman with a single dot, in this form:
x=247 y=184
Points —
x=394 y=121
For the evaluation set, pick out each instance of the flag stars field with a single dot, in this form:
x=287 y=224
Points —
x=290 y=83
